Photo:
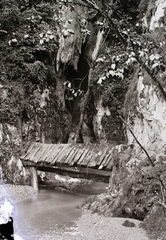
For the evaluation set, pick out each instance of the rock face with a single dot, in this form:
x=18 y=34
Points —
x=149 y=123
x=97 y=119
x=47 y=49
x=44 y=73
x=149 y=110
x=157 y=19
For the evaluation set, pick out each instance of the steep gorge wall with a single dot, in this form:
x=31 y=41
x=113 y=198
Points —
x=137 y=185
x=148 y=115
x=32 y=108
x=46 y=51
x=149 y=124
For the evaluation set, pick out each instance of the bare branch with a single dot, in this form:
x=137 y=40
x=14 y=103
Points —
x=92 y=4
x=149 y=158
x=162 y=203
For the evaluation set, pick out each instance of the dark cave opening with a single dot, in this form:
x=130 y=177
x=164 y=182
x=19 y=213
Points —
x=78 y=82
x=44 y=56
x=79 y=77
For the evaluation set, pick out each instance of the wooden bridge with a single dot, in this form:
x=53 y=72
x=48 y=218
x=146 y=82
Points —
x=86 y=159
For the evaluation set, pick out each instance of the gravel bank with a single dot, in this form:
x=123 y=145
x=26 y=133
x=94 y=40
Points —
x=95 y=227
x=88 y=227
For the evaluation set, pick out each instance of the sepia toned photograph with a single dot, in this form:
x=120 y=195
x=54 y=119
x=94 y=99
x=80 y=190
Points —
x=82 y=119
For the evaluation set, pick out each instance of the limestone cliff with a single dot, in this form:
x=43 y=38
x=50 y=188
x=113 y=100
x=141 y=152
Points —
x=95 y=69
x=49 y=50
x=46 y=50
x=148 y=114
x=131 y=87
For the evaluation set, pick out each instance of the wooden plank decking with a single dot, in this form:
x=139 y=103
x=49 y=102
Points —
x=68 y=155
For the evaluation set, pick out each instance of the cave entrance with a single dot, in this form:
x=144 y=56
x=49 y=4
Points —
x=76 y=85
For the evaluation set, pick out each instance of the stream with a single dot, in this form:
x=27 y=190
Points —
x=52 y=210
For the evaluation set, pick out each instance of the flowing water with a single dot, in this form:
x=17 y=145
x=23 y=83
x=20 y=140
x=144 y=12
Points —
x=51 y=210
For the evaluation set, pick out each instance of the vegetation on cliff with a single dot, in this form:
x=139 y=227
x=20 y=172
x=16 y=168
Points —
x=69 y=69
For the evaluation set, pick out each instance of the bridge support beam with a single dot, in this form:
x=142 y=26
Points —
x=34 y=179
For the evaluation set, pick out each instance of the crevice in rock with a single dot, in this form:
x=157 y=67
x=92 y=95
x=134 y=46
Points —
x=78 y=79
